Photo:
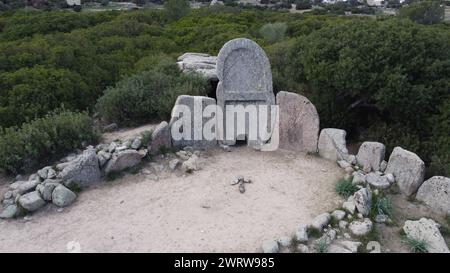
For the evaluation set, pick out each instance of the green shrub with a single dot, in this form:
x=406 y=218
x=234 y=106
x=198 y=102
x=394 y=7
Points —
x=147 y=96
x=424 y=12
x=38 y=142
x=273 y=33
x=345 y=188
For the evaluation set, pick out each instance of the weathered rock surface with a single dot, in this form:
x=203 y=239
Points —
x=321 y=221
x=349 y=205
x=187 y=122
x=82 y=171
x=201 y=63
x=363 y=201
x=270 y=246
x=31 y=201
x=435 y=192
x=361 y=228
x=359 y=178
x=124 y=160
x=371 y=154
x=298 y=121
x=161 y=138
x=428 y=231
x=47 y=187
x=302 y=234
x=344 y=247
x=190 y=165
x=408 y=170
x=332 y=144
x=377 y=181
x=9 y=212
x=338 y=214
x=62 y=196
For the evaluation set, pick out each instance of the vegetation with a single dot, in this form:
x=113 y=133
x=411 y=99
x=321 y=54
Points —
x=273 y=33
x=387 y=79
x=175 y=9
x=149 y=95
x=321 y=246
x=415 y=245
x=345 y=188
x=383 y=206
x=36 y=143
x=424 y=12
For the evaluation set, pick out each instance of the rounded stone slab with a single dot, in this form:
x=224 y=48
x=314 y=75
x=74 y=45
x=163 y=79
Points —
x=435 y=193
x=408 y=170
x=245 y=78
x=298 y=122
x=242 y=65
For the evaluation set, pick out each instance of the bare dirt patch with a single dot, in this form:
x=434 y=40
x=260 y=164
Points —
x=199 y=212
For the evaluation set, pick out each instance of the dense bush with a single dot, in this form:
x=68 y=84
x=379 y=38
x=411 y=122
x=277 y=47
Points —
x=424 y=12
x=273 y=33
x=392 y=77
x=148 y=96
x=38 y=142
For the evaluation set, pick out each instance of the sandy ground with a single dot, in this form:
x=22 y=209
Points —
x=200 y=212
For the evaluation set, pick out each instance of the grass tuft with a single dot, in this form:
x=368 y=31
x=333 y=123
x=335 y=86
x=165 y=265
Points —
x=345 y=188
x=321 y=246
x=415 y=245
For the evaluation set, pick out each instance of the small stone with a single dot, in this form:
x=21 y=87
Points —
x=31 y=201
x=377 y=181
x=302 y=234
x=51 y=174
x=285 y=241
x=351 y=159
x=343 y=224
x=338 y=214
x=241 y=188
x=349 y=205
x=46 y=189
x=344 y=164
x=363 y=201
x=321 y=221
x=361 y=228
x=270 y=246
x=347 y=236
x=136 y=144
x=62 y=196
x=226 y=148
x=9 y=212
x=8 y=195
x=359 y=178
x=190 y=165
x=349 y=170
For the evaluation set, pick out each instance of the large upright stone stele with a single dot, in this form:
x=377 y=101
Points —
x=245 y=78
x=298 y=123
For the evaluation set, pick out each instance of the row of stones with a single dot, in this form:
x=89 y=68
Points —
x=371 y=174
x=403 y=166
x=56 y=184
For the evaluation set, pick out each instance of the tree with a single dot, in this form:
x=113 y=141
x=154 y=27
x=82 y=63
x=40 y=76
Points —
x=303 y=4
x=176 y=9
x=273 y=33
x=424 y=12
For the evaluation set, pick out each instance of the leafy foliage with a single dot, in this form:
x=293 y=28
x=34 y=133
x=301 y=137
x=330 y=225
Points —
x=148 y=95
x=38 y=142
x=424 y=12
x=273 y=33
